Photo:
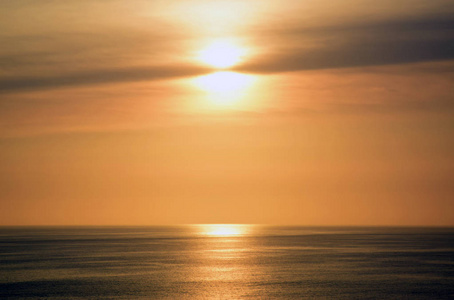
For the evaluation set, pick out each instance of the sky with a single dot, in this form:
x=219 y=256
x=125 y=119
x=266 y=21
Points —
x=196 y=111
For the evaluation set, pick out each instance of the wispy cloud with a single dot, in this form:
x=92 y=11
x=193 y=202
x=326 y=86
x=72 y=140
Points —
x=417 y=39
x=36 y=55
x=94 y=77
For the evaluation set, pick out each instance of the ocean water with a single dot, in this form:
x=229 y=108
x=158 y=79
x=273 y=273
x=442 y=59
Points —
x=226 y=262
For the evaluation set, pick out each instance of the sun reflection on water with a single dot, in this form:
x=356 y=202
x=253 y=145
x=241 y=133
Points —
x=223 y=261
x=223 y=230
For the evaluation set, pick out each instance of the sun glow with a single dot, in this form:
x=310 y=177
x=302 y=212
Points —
x=222 y=53
x=221 y=82
x=224 y=88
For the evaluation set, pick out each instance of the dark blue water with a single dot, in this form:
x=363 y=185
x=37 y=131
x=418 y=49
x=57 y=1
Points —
x=203 y=262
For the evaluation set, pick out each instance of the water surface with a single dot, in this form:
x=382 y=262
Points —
x=226 y=262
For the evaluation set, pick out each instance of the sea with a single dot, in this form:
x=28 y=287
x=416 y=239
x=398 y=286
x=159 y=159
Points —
x=226 y=262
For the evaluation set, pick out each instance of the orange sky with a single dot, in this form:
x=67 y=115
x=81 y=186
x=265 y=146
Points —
x=305 y=112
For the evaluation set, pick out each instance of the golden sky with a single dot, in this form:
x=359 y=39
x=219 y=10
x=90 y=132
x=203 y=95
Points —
x=196 y=111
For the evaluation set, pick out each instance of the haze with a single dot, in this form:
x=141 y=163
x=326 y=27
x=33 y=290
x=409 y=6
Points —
x=274 y=112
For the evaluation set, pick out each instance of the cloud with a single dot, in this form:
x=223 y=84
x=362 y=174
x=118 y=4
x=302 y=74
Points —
x=353 y=54
x=36 y=55
x=94 y=77
x=416 y=39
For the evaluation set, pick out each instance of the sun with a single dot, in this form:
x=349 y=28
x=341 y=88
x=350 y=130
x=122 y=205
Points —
x=222 y=53
x=223 y=82
x=224 y=88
